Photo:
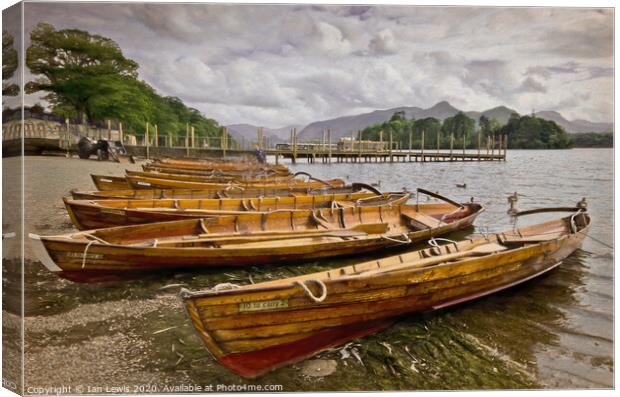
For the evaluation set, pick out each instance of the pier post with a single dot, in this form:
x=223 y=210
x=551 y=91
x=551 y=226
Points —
x=492 y=146
x=410 y=142
x=381 y=139
x=187 y=139
x=224 y=141
x=294 y=145
x=422 y=147
x=192 y=130
x=109 y=130
x=156 y=137
x=391 y=158
x=146 y=139
x=120 y=132
x=464 y=137
x=478 y=145
x=499 y=147
x=359 y=153
x=67 y=139
x=505 y=145
x=323 y=145
x=438 y=144
x=451 y=144
x=329 y=148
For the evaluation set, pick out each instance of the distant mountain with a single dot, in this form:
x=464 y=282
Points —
x=249 y=132
x=575 y=126
x=344 y=126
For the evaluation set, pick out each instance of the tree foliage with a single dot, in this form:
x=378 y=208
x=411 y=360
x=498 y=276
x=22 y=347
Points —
x=10 y=63
x=530 y=132
x=88 y=77
x=593 y=139
x=524 y=132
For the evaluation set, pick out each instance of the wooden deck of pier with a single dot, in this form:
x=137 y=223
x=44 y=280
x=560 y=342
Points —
x=359 y=151
x=385 y=157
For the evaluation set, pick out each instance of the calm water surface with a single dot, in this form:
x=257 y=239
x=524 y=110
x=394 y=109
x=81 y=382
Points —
x=553 y=332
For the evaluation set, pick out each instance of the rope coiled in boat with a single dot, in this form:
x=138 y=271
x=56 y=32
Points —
x=310 y=294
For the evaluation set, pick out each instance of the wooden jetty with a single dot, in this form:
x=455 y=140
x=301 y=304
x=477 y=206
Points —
x=39 y=135
x=351 y=150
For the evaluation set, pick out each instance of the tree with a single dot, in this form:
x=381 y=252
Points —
x=74 y=66
x=9 y=64
x=400 y=115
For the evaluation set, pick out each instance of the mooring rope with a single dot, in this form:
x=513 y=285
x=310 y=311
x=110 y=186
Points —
x=225 y=286
x=406 y=239
x=85 y=251
x=433 y=241
x=310 y=294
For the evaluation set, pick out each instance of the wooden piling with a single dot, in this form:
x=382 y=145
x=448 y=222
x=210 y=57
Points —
x=464 y=137
x=187 y=139
x=438 y=144
x=109 y=130
x=422 y=147
x=156 y=137
x=146 y=139
x=505 y=146
x=478 y=137
x=391 y=157
x=329 y=148
x=359 y=153
x=451 y=144
x=294 y=145
x=120 y=132
x=381 y=139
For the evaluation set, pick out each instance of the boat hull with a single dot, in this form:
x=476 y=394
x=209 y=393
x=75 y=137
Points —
x=142 y=182
x=83 y=255
x=265 y=327
x=88 y=214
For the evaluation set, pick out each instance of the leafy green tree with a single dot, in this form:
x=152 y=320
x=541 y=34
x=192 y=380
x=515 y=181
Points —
x=9 y=64
x=74 y=66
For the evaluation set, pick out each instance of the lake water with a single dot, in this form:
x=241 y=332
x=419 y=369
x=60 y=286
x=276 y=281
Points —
x=553 y=332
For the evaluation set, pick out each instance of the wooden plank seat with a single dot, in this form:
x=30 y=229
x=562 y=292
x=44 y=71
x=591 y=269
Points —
x=422 y=221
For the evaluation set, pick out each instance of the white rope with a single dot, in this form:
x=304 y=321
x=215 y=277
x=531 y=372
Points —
x=433 y=241
x=225 y=286
x=406 y=238
x=310 y=294
x=85 y=251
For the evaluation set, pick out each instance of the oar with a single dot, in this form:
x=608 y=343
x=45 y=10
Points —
x=484 y=249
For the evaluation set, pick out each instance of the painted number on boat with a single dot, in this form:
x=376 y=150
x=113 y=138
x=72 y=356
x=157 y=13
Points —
x=262 y=305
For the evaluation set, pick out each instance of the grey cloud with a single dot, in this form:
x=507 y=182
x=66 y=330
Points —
x=384 y=43
x=532 y=85
x=276 y=65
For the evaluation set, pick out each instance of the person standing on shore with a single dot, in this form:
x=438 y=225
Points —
x=260 y=155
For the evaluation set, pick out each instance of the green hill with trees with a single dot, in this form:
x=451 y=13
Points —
x=524 y=132
x=87 y=77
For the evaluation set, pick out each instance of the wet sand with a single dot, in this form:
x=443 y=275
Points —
x=554 y=332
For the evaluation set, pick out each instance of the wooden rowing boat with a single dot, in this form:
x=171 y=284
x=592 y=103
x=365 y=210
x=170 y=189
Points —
x=256 y=328
x=143 y=182
x=240 y=179
x=95 y=214
x=213 y=171
x=107 y=182
x=230 y=192
x=227 y=165
x=247 y=239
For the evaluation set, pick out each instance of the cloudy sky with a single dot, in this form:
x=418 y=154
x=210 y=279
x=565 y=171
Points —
x=280 y=65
